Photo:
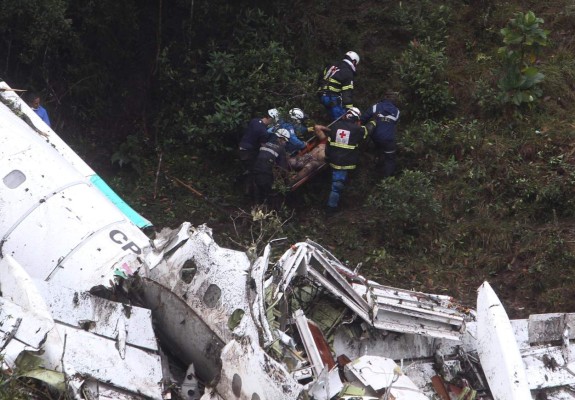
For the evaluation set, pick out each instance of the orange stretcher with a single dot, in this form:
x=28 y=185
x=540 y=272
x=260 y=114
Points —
x=308 y=162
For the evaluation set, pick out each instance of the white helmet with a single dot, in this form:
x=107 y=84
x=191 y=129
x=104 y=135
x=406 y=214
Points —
x=283 y=134
x=353 y=113
x=274 y=114
x=296 y=114
x=352 y=55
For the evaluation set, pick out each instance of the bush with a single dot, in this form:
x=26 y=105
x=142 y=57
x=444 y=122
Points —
x=406 y=203
x=422 y=72
x=228 y=85
x=422 y=19
x=447 y=138
x=523 y=39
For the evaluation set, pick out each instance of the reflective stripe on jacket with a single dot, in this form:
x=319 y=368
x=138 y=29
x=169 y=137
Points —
x=344 y=138
x=338 y=80
x=385 y=114
x=270 y=154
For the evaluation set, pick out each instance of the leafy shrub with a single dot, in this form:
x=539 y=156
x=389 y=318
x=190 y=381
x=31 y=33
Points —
x=423 y=19
x=407 y=203
x=540 y=195
x=421 y=69
x=238 y=81
x=486 y=97
x=442 y=137
x=523 y=39
x=129 y=153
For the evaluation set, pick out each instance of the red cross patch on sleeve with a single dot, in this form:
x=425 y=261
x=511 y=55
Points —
x=342 y=136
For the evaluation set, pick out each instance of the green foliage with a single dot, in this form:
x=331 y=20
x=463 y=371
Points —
x=422 y=72
x=523 y=39
x=30 y=30
x=486 y=97
x=242 y=80
x=559 y=71
x=189 y=75
x=129 y=153
x=407 y=203
x=423 y=19
x=442 y=137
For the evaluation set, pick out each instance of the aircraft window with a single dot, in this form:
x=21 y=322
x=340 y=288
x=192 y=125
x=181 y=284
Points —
x=237 y=385
x=212 y=295
x=255 y=396
x=188 y=271
x=235 y=318
x=14 y=179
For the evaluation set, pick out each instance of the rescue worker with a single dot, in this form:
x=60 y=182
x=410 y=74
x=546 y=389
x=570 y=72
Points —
x=342 y=152
x=336 y=85
x=386 y=115
x=34 y=102
x=294 y=125
x=270 y=155
x=254 y=136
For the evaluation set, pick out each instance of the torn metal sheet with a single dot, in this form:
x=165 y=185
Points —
x=257 y=295
x=383 y=374
x=213 y=305
x=311 y=346
x=327 y=385
x=100 y=316
x=383 y=307
x=248 y=372
x=20 y=330
x=91 y=356
x=45 y=328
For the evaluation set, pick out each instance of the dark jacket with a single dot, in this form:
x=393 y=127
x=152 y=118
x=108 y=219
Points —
x=385 y=114
x=342 y=151
x=338 y=80
x=254 y=135
x=270 y=154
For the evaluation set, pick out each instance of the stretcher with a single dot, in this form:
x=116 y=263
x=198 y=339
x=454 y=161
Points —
x=308 y=162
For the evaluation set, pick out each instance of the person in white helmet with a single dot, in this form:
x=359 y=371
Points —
x=270 y=154
x=342 y=151
x=335 y=89
x=294 y=125
x=253 y=137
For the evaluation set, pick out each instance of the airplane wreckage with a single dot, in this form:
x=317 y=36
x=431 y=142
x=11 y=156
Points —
x=93 y=307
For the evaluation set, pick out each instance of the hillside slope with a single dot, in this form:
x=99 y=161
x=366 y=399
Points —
x=484 y=191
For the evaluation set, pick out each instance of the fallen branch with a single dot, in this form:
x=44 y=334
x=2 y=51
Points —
x=199 y=194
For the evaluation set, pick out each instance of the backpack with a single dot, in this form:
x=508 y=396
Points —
x=327 y=72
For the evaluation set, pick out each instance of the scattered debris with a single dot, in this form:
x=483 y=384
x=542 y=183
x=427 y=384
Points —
x=91 y=306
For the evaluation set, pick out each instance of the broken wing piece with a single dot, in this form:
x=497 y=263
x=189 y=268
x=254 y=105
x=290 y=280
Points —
x=497 y=347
